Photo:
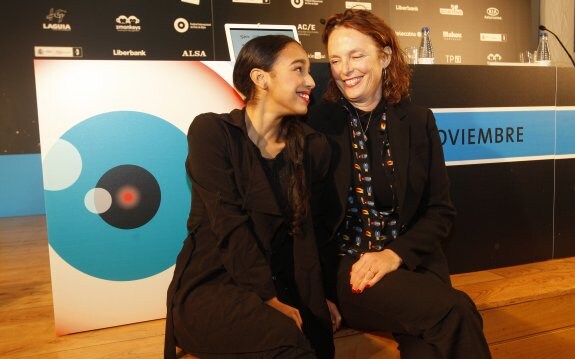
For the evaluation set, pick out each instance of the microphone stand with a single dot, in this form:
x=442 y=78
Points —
x=542 y=27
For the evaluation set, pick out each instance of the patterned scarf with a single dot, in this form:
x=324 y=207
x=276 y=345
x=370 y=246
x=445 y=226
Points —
x=366 y=229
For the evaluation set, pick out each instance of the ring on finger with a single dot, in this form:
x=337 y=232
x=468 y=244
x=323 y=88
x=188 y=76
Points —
x=372 y=273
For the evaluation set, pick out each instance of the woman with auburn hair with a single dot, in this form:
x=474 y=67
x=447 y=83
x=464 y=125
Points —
x=390 y=205
x=247 y=282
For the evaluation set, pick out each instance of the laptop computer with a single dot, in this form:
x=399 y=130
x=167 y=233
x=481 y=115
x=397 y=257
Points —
x=238 y=34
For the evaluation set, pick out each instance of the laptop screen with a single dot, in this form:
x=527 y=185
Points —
x=238 y=34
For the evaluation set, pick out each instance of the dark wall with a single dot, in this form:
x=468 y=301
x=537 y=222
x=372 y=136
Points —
x=565 y=174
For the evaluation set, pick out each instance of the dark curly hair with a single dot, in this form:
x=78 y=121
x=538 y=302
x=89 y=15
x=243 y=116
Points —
x=397 y=81
x=262 y=52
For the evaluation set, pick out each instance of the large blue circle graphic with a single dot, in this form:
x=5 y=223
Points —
x=82 y=238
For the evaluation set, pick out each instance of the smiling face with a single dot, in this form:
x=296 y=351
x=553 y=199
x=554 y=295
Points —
x=357 y=66
x=289 y=82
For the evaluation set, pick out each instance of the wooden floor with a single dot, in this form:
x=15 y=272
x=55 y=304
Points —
x=528 y=311
x=26 y=313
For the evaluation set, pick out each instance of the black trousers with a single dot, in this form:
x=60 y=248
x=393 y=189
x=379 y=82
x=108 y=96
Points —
x=429 y=318
x=301 y=351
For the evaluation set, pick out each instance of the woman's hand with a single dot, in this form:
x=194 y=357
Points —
x=286 y=310
x=371 y=267
x=334 y=314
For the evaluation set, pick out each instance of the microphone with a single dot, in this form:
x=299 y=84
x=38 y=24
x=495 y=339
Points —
x=543 y=28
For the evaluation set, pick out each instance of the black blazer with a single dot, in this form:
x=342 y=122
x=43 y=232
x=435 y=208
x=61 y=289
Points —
x=233 y=217
x=425 y=209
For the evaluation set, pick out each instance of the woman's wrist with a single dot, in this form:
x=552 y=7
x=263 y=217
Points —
x=393 y=258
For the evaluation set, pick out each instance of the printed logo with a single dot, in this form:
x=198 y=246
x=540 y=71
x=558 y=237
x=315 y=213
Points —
x=453 y=59
x=54 y=51
x=261 y=2
x=453 y=10
x=136 y=53
x=408 y=33
x=307 y=29
x=494 y=57
x=492 y=13
x=182 y=25
x=56 y=15
x=127 y=23
x=297 y=3
x=450 y=35
x=358 y=5
x=486 y=37
x=55 y=18
x=406 y=8
x=318 y=55
x=194 y=53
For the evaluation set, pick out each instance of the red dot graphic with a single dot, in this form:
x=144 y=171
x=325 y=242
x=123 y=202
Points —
x=128 y=197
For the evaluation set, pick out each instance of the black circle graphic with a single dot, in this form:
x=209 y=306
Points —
x=136 y=196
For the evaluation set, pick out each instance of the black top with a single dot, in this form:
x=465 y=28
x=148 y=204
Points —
x=382 y=193
x=281 y=261
x=277 y=172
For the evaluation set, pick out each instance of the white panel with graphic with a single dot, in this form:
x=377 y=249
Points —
x=113 y=139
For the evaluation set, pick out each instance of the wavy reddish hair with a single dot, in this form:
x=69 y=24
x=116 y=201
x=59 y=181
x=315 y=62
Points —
x=397 y=81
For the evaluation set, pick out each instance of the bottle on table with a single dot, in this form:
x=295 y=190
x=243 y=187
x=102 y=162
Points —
x=426 y=54
x=542 y=54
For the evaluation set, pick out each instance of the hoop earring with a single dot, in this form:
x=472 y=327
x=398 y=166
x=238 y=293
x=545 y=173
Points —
x=384 y=74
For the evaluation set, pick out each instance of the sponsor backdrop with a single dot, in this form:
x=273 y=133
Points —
x=470 y=32
x=112 y=131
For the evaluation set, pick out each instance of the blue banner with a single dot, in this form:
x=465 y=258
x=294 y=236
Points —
x=496 y=135
x=565 y=131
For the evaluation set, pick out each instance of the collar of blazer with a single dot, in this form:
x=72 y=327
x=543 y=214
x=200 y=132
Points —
x=236 y=118
x=256 y=193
